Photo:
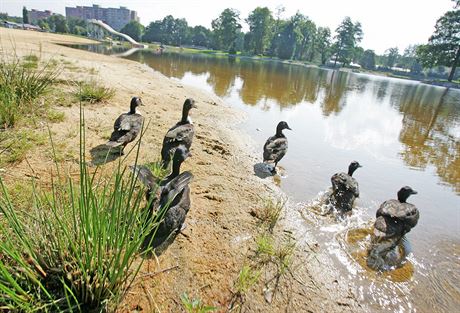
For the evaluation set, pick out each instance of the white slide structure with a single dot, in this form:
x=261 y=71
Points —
x=113 y=31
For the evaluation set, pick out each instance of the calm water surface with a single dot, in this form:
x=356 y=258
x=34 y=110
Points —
x=402 y=132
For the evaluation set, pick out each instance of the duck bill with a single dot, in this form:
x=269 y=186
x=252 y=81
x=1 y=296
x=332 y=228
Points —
x=413 y=192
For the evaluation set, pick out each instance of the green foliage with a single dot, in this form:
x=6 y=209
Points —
x=14 y=145
x=226 y=28
x=25 y=15
x=20 y=85
x=58 y=23
x=170 y=30
x=260 y=22
x=134 y=29
x=323 y=43
x=195 y=305
x=77 y=26
x=246 y=279
x=391 y=56
x=367 y=60
x=306 y=31
x=200 y=36
x=443 y=46
x=348 y=35
x=76 y=246
x=270 y=212
x=92 y=92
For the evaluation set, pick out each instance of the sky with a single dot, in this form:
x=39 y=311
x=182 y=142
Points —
x=385 y=23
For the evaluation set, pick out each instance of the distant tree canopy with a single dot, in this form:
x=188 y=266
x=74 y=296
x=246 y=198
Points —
x=260 y=22
x=226 y=28
x=443 y=48
x=134 y=29
x=296 y=37
x=25 y=15
x=348 y=35
x=368 y=60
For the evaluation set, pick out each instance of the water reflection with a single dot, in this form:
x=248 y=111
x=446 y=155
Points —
x=430 y=116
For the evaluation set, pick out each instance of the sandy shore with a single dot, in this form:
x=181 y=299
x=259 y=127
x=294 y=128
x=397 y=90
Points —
x=220 y=232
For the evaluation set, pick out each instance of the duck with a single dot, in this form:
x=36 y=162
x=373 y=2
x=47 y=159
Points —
x=345 y=188
x=180 y=134
x=172 y=192
x=276 y=146
x=127 y=126
x=395 y=218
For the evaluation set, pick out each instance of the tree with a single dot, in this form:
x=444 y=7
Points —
x=367 y=60
x=76 y=26
x=348 y=35
x=153 y=32
x=306 y=30
x=200 y=36
x=226 y=28
x=134 y=29
x=443 y=46
x=287 y=39
x=25 y=15
x=391 y=56
x=58 y=23
x=43 y=24
x=260 y=22
x=323 y=43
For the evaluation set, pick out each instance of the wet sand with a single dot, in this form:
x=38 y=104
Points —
x=221 y=232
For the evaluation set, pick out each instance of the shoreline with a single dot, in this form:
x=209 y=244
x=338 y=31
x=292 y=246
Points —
x=221 y=230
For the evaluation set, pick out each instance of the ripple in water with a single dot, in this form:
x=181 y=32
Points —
x=347 y=239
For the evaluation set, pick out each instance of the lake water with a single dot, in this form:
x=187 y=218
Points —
x=402 y=132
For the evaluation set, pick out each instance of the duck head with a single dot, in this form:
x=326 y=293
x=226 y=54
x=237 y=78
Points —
x=404 y=193
x=279 y=128
x=188 y=105
x=353 y=167
x=179 y=156
x=135 y=102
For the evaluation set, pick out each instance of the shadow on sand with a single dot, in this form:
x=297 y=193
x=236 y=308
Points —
x=104 y=154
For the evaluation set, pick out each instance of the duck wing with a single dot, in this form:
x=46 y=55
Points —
x=126 y=129
x=180 y=134
x=405 y=215
x=345 y=183
x=175 y=196
x=275 y=148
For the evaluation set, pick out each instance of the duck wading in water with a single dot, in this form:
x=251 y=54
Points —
x=395 y=218
x=276 y=146
x=345 y=189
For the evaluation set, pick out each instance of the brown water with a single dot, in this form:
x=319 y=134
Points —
x=402 y=132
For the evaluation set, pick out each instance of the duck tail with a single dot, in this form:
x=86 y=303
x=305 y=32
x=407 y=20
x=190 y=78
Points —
x=144 y=174
x=175 y=186
x=113 y=144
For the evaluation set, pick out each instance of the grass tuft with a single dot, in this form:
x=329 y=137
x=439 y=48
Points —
x=93 y=93
x=20 y=86
x=195 y=305
x=270 y=212
x=76 y=246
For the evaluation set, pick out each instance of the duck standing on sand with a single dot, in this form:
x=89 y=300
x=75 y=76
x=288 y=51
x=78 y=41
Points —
x=395 y=218
x=172 y=193
x=345 y=188
x=180 y=134
x=127 y=126
x=276 y=146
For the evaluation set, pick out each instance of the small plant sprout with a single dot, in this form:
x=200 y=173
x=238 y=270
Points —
x=195 y=305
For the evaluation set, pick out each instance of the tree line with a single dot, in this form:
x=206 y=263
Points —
x=294 y=38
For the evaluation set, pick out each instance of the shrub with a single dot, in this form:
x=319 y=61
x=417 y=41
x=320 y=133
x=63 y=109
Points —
x=92 y=92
